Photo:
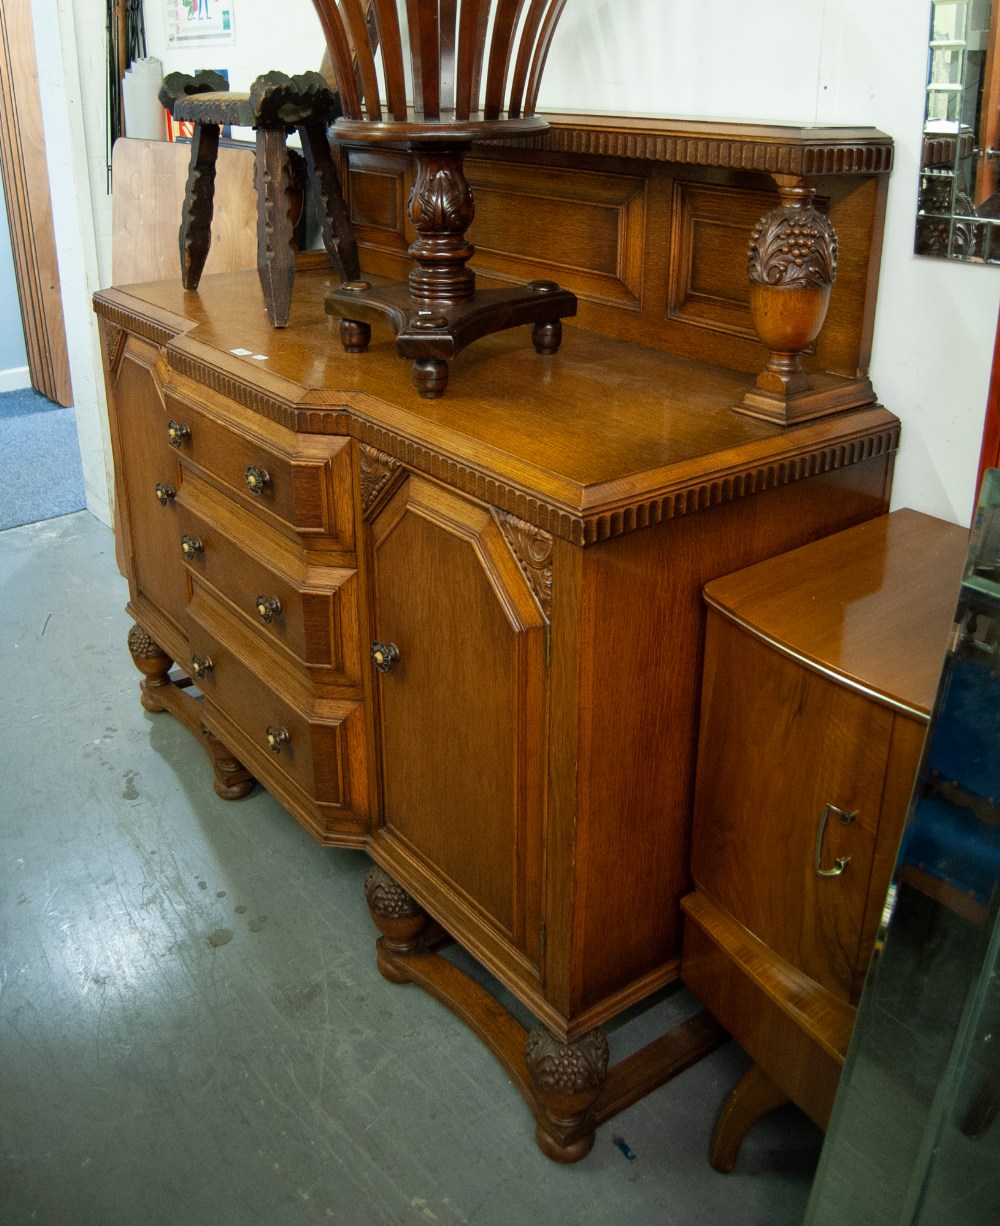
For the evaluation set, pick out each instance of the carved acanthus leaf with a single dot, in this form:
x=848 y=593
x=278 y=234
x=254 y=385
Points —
x=377 y=469
x=533 y=549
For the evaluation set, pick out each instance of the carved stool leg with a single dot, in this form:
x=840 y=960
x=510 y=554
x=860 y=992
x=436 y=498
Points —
x=195 y=235
x=754 y=1096
x=400 y=919
x=154 y=664
x=275 y=227
x=335 y=224
x=566 y=1078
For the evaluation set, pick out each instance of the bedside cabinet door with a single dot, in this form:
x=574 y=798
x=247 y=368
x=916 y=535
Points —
x=789 y=791
x=461 y=716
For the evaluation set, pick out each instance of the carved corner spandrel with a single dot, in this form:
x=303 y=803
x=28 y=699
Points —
x=377 y=472
x=532 y=547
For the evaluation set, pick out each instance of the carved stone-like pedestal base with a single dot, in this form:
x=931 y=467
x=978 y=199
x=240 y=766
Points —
x=432 y=333
x=567 y=1085
x=160 y=692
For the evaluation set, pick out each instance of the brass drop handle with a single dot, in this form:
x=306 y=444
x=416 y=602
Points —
x=276 y=737
x=164 y=493
x=201 y=666
x=191 y=545
x=384 y=656
x=841 y=862
x=177 y=432
x=268 y=608
x=257 y=479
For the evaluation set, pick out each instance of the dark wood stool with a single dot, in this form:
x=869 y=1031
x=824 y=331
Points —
x=276 y=106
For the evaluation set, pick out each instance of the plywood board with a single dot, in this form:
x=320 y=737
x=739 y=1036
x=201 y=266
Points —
x=148 y=181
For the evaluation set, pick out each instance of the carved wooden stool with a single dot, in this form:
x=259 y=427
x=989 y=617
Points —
x=276 y=106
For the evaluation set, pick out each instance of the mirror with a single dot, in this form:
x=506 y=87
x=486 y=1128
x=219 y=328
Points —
x=958 y=209
x=914 y=1138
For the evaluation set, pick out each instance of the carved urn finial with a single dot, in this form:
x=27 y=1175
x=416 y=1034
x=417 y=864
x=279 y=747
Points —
x=792 y=265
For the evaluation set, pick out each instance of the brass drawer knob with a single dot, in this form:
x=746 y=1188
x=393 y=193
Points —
x=268 y=608
x=276 y=737
x=177 y=432
x=201 y=666
x=384 y=656
x=191 y=545
x=258 y=479
x=164 y=493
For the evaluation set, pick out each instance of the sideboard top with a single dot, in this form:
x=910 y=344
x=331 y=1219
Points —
x=601 y=438
x=801 y=150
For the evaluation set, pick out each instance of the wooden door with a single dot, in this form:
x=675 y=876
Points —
x=144 y=461
x=779 y=744
x=461 y=714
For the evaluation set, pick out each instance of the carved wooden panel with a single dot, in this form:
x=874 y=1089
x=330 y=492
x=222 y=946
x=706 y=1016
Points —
x=378 y=181
x=524 y=227
x=708 y=286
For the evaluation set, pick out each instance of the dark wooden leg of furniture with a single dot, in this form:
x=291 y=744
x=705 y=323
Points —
x=195 y=235
x=568 y=1086
x=335 y=225
x=275 y=226
x=754 y=1096
x=567 y=1079
x=160 y=692
x=355 y=336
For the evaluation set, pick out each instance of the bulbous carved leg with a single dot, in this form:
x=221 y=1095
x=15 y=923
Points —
x=154 y=664
x=400 y=919
x=355 y=335
x=567 y=1078
x=430 y=377
x=547 y=337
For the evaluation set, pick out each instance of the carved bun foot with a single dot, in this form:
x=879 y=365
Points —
x=430 y=377
x=355 y=336
x=232 y=779
x=547 y=337
x=567 y=1079
x=400 y=919
x=154 y=664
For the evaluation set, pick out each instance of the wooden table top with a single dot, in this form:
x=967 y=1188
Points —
x=872 y=606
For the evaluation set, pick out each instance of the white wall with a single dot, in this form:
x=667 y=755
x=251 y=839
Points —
x=828 y=61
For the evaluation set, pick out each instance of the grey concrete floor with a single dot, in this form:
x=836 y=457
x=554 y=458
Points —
x=192 y=1028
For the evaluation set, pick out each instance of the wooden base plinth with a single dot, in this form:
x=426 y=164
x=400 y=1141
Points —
x=568 y=1087
x=431 y=333
x=824 y=394
x=159 y=691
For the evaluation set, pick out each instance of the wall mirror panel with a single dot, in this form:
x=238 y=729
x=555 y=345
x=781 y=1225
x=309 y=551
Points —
x=958 y=208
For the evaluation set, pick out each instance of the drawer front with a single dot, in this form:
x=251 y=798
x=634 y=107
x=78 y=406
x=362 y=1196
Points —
x=306 y=487
x=310 y=751
x=308 y=622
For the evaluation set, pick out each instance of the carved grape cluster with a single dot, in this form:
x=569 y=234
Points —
x=387 y=897
x=567 y=1068
x=793 y=246
x=142 y=645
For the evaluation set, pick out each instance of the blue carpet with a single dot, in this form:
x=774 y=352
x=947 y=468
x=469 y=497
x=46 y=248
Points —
x=40 y=472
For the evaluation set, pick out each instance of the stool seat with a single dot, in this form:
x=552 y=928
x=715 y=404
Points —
x=275 y=106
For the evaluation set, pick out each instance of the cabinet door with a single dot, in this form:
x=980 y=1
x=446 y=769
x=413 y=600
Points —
x=145 y=461
x=461 y=715
x=779 y=744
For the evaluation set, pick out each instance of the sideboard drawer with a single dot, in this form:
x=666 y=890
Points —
x=307 y=485
x=311 y=751
x=308 y=621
